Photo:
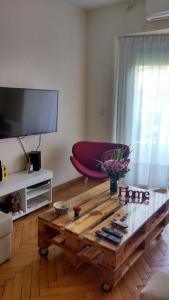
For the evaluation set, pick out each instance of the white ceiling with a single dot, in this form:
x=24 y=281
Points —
x=91 y=4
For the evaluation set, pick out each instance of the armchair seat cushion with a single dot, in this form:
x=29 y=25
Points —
x=86 y=171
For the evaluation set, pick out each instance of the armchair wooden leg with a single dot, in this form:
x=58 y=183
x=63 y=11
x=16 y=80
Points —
x=85 y=184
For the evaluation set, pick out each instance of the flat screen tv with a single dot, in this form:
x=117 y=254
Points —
x=27 y=111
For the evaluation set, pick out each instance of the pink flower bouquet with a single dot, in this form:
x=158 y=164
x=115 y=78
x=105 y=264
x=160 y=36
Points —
x=117 y=166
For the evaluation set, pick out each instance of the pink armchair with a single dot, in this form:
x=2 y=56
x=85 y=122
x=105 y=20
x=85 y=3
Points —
x=86 y=154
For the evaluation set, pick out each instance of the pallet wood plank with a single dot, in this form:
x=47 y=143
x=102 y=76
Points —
x=86 y=207
x=92 y=218
x=50 y=215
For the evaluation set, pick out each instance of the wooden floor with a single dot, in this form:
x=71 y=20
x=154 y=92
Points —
x=29 y=276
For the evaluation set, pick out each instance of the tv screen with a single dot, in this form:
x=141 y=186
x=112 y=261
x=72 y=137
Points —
x=27 y=111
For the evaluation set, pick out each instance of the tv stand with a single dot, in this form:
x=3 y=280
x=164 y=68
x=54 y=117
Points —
x=35 y=190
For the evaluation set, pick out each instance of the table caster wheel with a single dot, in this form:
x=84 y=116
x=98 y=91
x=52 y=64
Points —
x=43 y=251
x=106 y=287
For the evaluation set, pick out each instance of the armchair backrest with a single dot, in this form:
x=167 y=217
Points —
x=88 y=152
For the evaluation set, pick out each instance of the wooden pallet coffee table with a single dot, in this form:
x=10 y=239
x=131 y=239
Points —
x=98 y=208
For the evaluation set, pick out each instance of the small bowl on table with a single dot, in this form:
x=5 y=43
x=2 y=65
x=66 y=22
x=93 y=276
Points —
x=61 y=207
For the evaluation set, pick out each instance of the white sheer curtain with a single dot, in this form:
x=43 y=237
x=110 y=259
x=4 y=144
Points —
x=142 y=107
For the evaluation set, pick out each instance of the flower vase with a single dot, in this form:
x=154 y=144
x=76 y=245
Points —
x=113 y=186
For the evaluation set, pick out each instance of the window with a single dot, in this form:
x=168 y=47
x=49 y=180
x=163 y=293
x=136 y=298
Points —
x=151 y=97
x=142 y=107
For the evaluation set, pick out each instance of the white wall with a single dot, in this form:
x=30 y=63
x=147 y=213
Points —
x=104 y=25
x=43 y=45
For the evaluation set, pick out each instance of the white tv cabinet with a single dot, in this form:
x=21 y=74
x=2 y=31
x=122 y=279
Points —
x=35 y=190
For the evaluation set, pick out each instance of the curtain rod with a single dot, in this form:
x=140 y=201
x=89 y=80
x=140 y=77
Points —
x=143 y=34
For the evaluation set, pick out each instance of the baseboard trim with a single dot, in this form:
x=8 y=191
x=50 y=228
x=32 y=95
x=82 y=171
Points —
x=66 y=184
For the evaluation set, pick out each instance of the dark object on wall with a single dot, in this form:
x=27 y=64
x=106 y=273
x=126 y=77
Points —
x=35 y=159
x=27 y=111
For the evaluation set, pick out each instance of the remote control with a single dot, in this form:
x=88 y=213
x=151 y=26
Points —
x=108 y=237
x=113 y=232
x=119 y=223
